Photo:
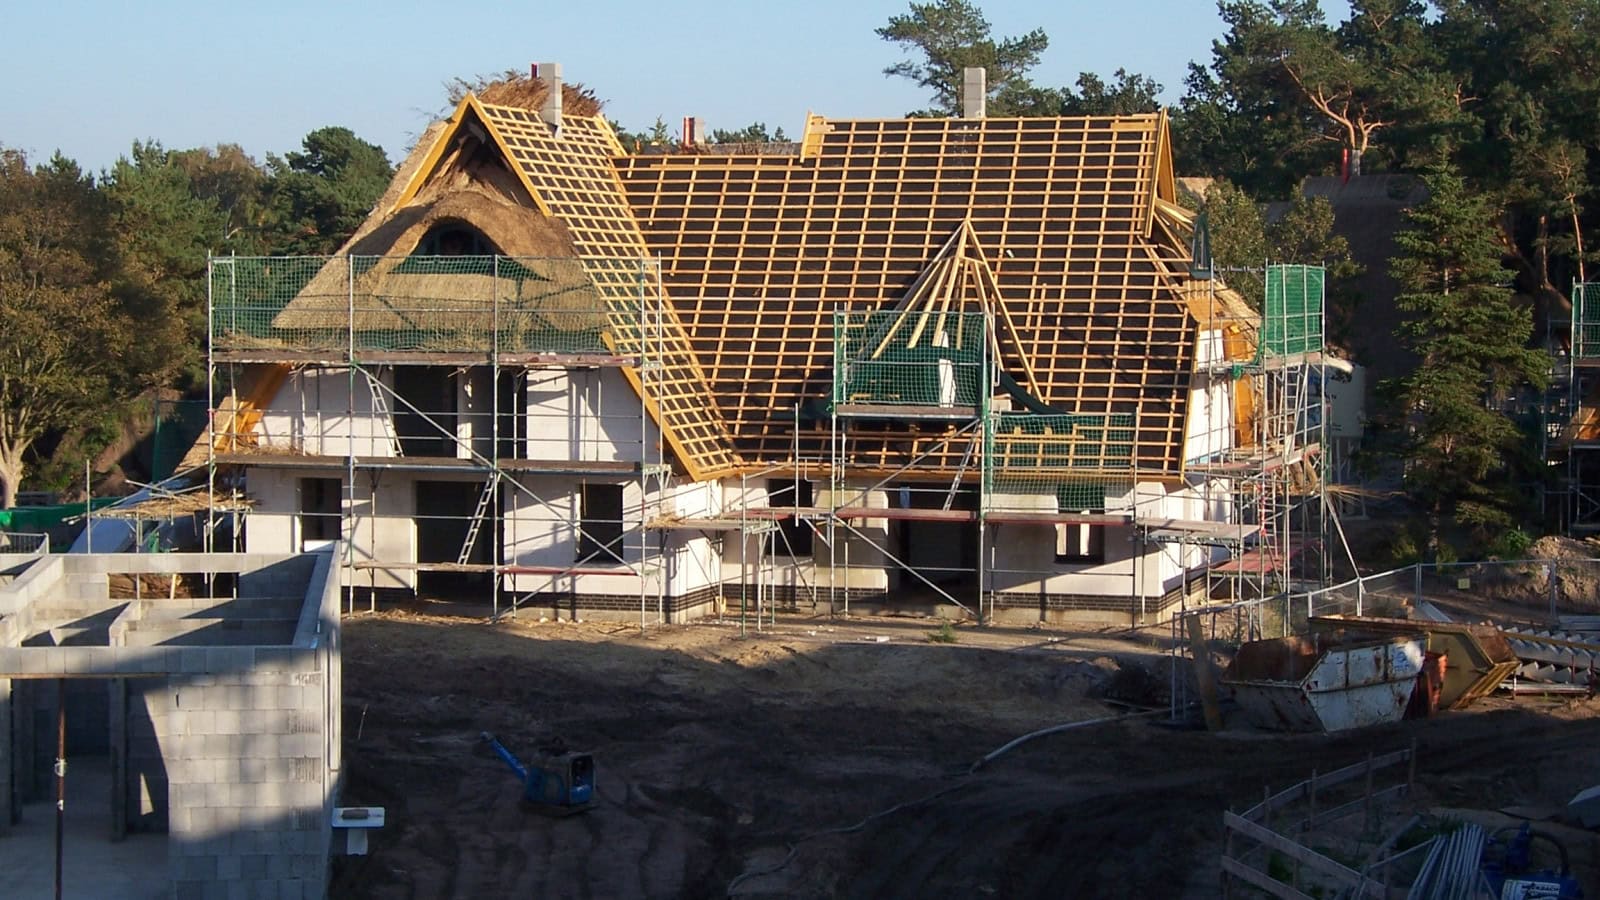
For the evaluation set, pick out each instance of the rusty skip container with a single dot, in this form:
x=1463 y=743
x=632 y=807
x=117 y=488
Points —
x=1480 y=656
x=1325 y=682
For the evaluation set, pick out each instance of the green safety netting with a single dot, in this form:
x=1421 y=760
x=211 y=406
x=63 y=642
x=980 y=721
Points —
x=1081 y=459
x=1586 y=320
x=426 y=303
x=1291 y=314
x=908 y=358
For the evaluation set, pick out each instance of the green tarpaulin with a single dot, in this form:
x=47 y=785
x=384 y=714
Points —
x=44 y=518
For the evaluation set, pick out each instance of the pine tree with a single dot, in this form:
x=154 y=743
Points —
x=1471 y=344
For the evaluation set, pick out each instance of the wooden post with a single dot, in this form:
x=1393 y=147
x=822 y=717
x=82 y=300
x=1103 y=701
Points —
x=1308 y=823
x=1368 y=805
x=1313 y=792
x=1227 y=853
x=1204 y=676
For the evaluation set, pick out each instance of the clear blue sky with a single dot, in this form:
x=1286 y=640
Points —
x=89 y=78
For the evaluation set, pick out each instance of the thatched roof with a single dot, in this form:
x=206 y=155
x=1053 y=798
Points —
x=524 y=92
x=470 y=185
x=398 y=293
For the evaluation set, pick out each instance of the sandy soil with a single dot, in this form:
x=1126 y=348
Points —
x=717 y=753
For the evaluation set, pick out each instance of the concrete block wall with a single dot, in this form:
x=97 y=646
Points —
x=223 y=714
x=248 y=779
x=145 y=711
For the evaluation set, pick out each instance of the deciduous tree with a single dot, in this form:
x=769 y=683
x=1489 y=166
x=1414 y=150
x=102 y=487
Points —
x=65 y=338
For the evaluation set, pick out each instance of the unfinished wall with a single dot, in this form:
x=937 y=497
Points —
x=311 y=414
x=223 y=713
x=541 y=536
x=585 y=414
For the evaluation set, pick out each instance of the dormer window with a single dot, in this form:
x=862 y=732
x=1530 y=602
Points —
x=454 y=239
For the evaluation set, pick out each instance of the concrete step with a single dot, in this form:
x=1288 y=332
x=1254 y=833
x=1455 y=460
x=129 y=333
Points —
x=70 y=636
x=219 y=632
x=221 y=608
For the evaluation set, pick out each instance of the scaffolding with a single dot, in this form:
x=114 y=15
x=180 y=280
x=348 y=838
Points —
x=1572 y=415
x=932 y=377
x=977 y=452
x=1272 y=470
x=457 y=323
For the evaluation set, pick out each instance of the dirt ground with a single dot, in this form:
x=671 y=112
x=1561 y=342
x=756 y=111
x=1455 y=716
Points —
x=721 y=757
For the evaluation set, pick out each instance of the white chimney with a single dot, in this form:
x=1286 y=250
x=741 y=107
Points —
x=974 y=92
x=550 y=74
x=694 y=131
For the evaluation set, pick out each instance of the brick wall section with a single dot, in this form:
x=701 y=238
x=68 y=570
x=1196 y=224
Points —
x=566 y=604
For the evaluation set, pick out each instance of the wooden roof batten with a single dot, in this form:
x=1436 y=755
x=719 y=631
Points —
x=1061 y=232
x=760 y=252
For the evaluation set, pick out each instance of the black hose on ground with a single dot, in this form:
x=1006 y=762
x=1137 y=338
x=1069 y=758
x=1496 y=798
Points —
x=794 y=845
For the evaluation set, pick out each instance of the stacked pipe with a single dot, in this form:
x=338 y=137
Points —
x=1452 y=870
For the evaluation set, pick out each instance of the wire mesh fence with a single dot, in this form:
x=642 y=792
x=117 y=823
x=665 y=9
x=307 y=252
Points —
x=1541 y=589
x=431 y=303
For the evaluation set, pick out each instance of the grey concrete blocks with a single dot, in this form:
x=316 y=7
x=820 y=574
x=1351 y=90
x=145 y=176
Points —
x=233 y=729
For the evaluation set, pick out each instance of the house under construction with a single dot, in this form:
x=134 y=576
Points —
x=977 y=364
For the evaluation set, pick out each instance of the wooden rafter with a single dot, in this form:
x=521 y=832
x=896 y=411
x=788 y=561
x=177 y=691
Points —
x=573 y=177
x=760 y=251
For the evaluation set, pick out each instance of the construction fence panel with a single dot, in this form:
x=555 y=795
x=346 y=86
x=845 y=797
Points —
x=24 y=542
x=429 y=303
x=909 y=358
x=1541 y=586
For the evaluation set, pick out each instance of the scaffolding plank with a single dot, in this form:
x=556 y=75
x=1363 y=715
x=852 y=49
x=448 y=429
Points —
x=436 y=463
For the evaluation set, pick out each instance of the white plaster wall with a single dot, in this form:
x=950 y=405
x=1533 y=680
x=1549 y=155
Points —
x=541 y=530
x=1209 y=430
x=382 y=527
x=867 y=567
x=585 y=414
x=693 y=559
x=1022 y=557
x=380 y=523
x=311 y=413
